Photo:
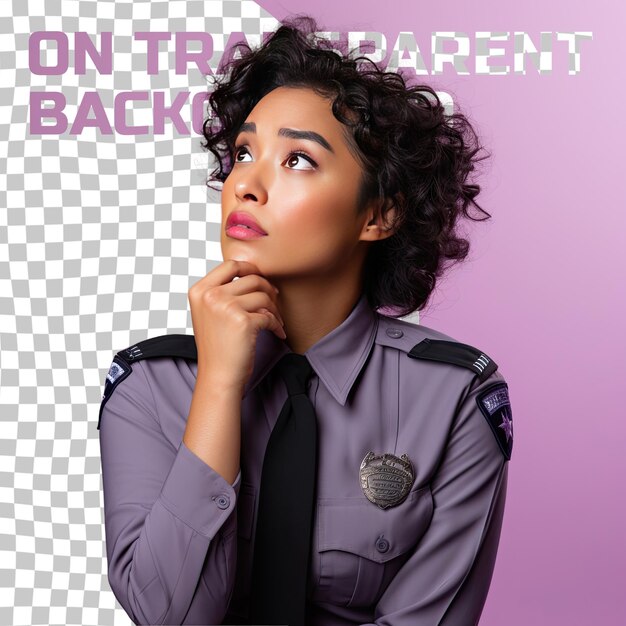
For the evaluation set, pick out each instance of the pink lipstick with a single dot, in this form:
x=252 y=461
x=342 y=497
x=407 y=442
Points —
x=242 y=225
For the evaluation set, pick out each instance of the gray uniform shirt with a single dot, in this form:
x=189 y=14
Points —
x=180 y=538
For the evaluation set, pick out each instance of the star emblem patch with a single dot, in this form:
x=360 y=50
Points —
x=495 y=405
x=507 y=423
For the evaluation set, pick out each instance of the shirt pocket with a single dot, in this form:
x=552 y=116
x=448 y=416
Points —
x=361 y=545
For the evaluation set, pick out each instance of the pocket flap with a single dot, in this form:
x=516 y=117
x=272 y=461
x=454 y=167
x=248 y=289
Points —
x=357 y=525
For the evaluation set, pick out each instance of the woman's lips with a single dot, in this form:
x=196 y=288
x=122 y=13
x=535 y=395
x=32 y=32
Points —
x=242 y=218
x=242 y=232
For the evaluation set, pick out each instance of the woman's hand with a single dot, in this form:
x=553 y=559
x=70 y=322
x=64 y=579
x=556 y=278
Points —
x=227 y=316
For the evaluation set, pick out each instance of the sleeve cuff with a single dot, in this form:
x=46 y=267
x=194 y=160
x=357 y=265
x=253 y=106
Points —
x=197 y=494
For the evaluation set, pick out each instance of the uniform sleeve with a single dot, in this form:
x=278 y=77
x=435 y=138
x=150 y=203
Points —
x=169 y=517
x=446 y=579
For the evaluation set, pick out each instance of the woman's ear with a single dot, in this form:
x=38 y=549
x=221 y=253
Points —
x=382 y=226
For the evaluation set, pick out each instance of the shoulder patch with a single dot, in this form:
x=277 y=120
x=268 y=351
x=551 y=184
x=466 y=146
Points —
x=456 y=353
x=174 y=345
x=495 y=405
x=118 y=371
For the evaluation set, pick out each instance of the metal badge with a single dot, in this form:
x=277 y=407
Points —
x=385 y=478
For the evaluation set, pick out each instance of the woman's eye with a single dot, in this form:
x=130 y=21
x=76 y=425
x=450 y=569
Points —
x=292 y=160
x=238 y=152
x=295 y=156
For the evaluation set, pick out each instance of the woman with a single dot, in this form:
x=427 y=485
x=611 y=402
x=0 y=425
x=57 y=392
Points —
x=303 y=458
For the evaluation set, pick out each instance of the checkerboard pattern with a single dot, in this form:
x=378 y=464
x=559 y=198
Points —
x=101 y=236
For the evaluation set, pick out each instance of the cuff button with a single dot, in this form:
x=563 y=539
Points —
x=222 y=502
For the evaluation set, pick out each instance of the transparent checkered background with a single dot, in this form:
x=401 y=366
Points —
x=101 y=236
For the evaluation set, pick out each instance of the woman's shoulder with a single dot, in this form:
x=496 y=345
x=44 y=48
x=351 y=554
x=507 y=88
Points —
x=156 y=368
x=423 y=343
x=472 y=379
x=168 y=345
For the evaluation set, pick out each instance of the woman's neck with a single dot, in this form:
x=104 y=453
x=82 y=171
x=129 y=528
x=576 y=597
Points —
x=310 y=314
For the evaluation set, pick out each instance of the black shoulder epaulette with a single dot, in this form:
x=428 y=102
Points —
x=455 y=353
x=183 y=346
x=164 y=345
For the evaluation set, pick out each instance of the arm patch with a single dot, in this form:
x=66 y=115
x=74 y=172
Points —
x=118 y=371
x=495 y=405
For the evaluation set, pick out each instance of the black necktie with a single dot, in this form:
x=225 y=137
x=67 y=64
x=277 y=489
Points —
x=286 y=504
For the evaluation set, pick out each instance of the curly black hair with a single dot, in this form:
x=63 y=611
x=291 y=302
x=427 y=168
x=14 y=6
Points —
x=413 y=155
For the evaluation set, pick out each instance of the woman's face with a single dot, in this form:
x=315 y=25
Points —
x=301 y=192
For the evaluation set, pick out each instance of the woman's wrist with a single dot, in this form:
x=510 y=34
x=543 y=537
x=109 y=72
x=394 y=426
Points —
x=210 y=379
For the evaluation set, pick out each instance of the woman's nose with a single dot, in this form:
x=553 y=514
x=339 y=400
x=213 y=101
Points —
x=249 y=185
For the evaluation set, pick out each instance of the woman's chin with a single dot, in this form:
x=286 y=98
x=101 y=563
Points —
x=236 y=253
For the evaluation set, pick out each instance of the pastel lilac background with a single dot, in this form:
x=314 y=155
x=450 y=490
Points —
x=543 y=292
x=102 y=235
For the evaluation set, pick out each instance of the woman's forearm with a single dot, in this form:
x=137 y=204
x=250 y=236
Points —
x=213 y=430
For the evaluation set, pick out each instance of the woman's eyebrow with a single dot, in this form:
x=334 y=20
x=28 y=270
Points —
x=310 y=135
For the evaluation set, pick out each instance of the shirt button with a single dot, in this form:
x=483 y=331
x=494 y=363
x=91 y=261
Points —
x=394 y=332
x=382 y=545
x=222 y=502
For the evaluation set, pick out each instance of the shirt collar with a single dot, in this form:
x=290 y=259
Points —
x=337 y=358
